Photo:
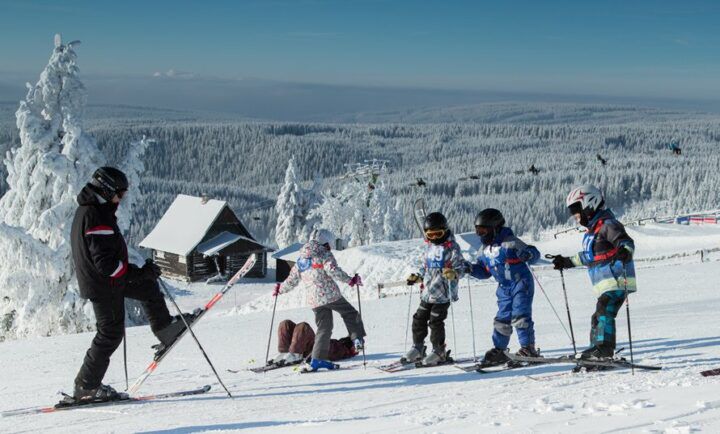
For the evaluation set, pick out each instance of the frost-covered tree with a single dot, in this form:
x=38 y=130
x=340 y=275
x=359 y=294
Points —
x=394 y=224
x=359 y=214
x=293 y=208
x=38 y=291
x=310 y=199
x=289 y=209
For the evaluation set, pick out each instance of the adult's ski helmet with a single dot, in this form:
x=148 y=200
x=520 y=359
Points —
x=109 y=182
x=488 y=223
x=585 y=200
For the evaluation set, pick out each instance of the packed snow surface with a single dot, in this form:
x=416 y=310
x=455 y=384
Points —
x=673 y=322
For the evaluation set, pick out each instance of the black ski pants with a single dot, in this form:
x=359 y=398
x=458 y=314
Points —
x=430 y=315
x=110 y=322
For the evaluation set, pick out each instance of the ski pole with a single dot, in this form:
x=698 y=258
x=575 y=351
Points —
x=357 y=287
x=452 y=315
x=192 y=333
x=407 y=323
x=472 y=320
x=557 y=315
x=567 y=305
x=272 y=321
x=127 y=382
x=627 y=308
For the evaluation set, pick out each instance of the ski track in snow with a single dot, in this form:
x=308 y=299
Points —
x=673 y=320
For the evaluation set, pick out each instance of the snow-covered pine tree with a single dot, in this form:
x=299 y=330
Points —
x=289 y=209
x=311 y=198
x=394 y=224
x=379 y=206
x=38 y=291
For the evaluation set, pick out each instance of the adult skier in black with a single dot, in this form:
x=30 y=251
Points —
x=106 y=278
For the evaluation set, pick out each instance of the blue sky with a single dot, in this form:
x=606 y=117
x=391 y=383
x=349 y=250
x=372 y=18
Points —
x=659 y=49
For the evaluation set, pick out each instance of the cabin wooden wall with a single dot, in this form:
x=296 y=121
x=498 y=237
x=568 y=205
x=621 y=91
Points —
x=172 y=265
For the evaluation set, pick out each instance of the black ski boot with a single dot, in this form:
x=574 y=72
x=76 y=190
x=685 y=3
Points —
x=169 y=334
x=597 y=352
x=101 y=393
x=494 y=357
x=528 y=351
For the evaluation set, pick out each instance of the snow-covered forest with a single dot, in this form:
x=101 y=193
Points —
x=464 y=166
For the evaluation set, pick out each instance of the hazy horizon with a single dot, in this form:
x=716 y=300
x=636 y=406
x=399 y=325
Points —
x=308 y=59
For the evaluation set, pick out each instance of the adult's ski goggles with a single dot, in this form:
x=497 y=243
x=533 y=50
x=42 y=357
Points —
x=435 y=234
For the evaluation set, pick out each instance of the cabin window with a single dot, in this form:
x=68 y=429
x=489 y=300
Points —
x=159 y=254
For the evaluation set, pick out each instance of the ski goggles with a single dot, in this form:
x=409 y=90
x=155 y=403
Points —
x=435 y=234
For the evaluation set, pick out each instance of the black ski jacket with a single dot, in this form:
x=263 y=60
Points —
x=98 y=248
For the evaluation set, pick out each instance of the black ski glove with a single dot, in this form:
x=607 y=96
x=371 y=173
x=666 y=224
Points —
x=561 y=262
x=624 y=255
x=150 y=271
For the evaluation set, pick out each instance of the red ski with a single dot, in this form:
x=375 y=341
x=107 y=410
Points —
x=160 y=355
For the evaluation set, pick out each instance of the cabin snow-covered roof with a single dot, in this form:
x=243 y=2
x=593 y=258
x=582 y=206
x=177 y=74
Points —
x=183 y=225
x=224 y=239
x=289 y=253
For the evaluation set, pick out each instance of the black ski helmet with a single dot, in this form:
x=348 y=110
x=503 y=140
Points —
x=488 y=223
x=435 y=220
x=490 y=217
x=109 y=181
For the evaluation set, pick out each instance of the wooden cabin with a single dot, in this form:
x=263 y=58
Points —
x=285 y=259
x=199 y=238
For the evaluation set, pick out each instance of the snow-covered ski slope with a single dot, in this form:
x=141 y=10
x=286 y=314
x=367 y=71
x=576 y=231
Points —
x=674 y=322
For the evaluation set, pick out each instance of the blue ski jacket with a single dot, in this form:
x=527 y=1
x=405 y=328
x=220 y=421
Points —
x=506 y=259
x=604 y=238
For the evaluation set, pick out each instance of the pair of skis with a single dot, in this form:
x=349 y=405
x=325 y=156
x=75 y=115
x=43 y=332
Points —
x=268 y=367
x=70 y=403
x=517 y=361
x=404 y=365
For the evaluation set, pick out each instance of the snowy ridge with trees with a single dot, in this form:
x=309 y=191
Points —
x=464 y=167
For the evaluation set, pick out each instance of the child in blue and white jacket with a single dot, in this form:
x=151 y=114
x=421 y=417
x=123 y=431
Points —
x=506 y=258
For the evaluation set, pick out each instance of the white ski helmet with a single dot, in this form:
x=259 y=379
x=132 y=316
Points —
x=586 y=199
x=323 y=236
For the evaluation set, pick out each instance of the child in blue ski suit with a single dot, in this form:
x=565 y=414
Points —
x=505 y=258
